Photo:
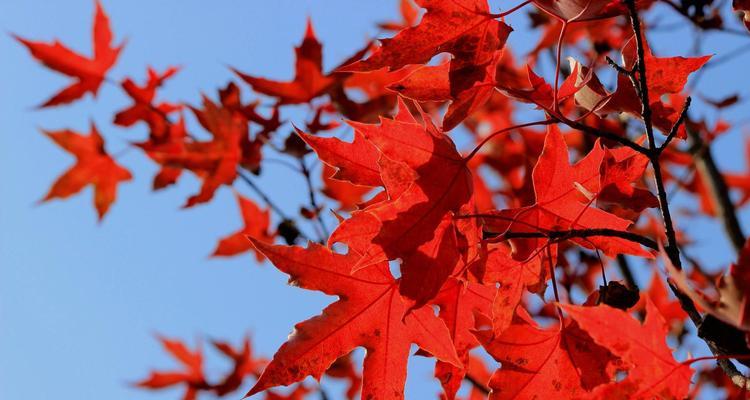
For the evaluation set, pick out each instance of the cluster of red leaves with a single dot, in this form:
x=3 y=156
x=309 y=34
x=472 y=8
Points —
x=244 y=363
x=473 y=232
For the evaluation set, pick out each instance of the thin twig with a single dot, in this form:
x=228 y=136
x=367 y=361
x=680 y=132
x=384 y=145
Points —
x=625 y=271
x=478 y=385
x=590 y=130
x=313 y=200
x=618 y=67
x=676 y=126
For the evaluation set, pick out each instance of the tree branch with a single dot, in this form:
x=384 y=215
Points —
x=717 y=187
x=672 y=250
x=581 y=233
x=590 y=130
x=676 y=126
x=478 y=385
x=313 y=201
x=627 y=273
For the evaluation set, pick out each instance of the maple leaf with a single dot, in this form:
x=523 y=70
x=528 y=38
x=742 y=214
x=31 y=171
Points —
x=425 y=178
x=93 y=167
x=89 y=73
x=309 y=81
x=256 y=222
x=463 y=28
x=369 y=313
x=214 y=161
x=143 y=108
x=538 y=362
x=561 y=205
x=654 y=372
x=191 y=376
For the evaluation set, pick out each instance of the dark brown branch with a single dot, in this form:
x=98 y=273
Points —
x=246 y=178
x=582 y=233
x=717 y=187
x=313 y=201
x=478 y=385
x=704 y=24
x=641 y=86
x=618 y=67
x=676 y=126
x=672 y=250
x=590 y=130
x=626 y=272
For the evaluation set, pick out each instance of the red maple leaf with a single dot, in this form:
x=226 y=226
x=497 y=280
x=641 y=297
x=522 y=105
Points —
x=463 y=28
x=426 y=179
x=214 y=161
x=88 y=72
x=369 y=313
x=93 y=167
x=143 y=107
x=309 y=81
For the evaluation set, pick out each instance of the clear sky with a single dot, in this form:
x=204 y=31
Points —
x=80 y=301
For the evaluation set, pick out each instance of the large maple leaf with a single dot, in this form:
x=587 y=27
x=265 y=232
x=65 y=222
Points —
x=309 y=81
x=89 y=73
x=561 y=203
x=463 y=28
x=93 y=167
x=654 y=372
x=539 y=362
x=369 y=313
x=425 y=178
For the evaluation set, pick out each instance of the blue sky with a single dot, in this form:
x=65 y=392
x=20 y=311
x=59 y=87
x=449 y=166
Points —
x=80 y=301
